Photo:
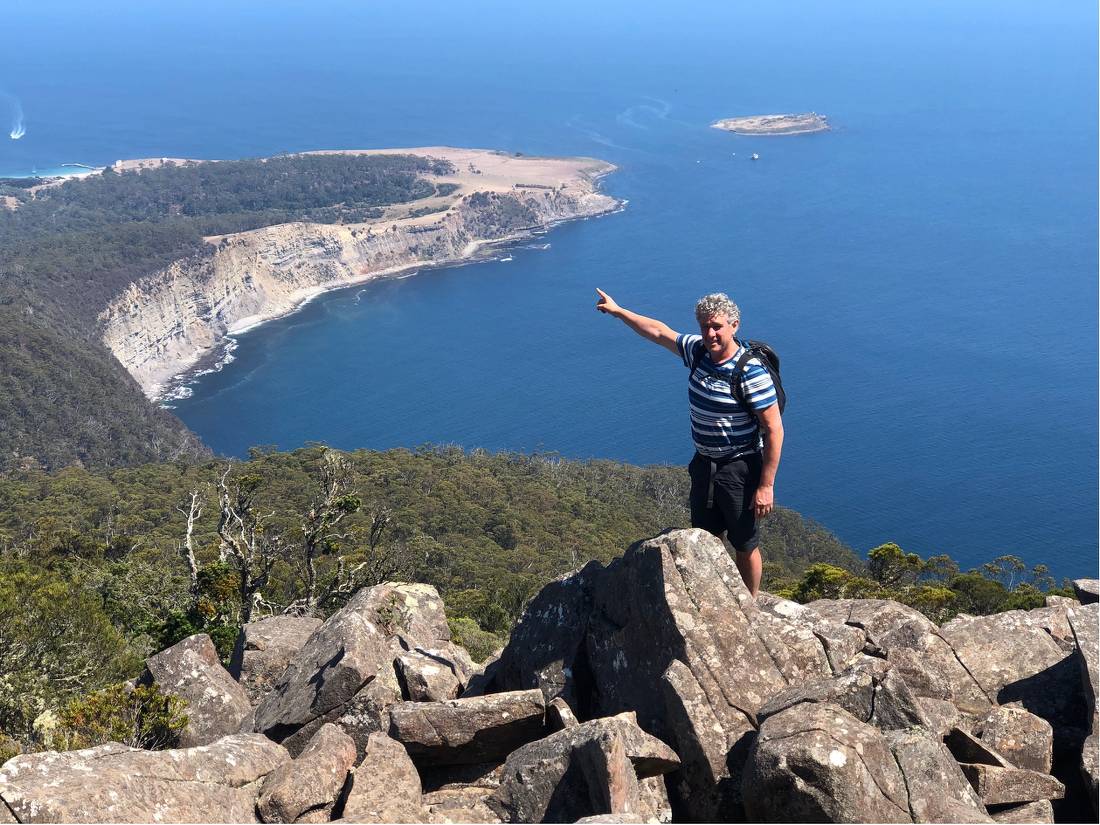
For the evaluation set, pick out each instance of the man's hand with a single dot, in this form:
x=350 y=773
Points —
x=765 y=500
x=606 y=303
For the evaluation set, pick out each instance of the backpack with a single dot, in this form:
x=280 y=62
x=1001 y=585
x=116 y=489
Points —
x=753 y=349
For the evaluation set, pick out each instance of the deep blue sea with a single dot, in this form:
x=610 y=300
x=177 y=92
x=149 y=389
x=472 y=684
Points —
x=927 y=270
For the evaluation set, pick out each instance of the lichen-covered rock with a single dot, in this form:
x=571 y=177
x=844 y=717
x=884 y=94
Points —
x=385 y=786
x=589 y=769
x=191 y=669
x=1090 y=766
x=936 y=787
x=1002 y=786
x=468 y=731
x=871 y=691
x=1022 y=738
x=264 y=648
x=548 y=639
x=307 y=788
x=1015 y=658
x=112 y=783
x=1087 y=590
x=432 y=675
x=841 y=643
x=1040 y=811
x=354 y=646
x=818 y=763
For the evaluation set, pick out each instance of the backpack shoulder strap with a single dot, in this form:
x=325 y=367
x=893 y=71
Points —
x=737 y=385
x=697 y=351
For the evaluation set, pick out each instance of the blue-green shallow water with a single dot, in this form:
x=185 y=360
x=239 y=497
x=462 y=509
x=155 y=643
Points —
x=927 y=270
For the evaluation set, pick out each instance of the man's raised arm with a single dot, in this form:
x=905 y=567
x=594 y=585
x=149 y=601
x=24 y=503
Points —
x=656 y=331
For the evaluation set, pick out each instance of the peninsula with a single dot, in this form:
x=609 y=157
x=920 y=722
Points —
x=802 y=124
x=170 y=320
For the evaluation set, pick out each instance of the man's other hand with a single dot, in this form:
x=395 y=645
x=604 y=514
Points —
x=606 y=303
x=765 y=501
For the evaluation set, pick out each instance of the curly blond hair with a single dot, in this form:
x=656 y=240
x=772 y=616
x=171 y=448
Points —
x=717 y=303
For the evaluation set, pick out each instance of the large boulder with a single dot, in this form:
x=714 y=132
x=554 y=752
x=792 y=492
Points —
x=935 y=785
x=871 y=690
x=1015 y=658
x=306 y=789
x=434 y=675
x=264 y=648
x=354 y=647
x=191 y=670
x=112 y=783
x=385 y=787
x=1084 y=622
x=588 y=769
x=1003 y=786
x=468 y=731
x=818 y=763
x=1087 y=590
x=1024 y=739
x=913 y=645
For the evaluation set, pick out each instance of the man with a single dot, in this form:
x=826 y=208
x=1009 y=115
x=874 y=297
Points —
x=732 y=483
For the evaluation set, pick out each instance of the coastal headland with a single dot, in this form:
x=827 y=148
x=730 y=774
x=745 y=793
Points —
x=800 y=124
x=166 y=323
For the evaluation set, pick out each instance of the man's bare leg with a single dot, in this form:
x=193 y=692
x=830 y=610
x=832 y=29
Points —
x=750 y=568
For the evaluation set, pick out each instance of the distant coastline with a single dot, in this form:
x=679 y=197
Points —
x=789 y=124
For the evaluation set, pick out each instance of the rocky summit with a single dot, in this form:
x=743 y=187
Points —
x=654 y=689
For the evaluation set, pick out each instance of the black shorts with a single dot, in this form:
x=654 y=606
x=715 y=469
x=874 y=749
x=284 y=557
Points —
x=734 y=510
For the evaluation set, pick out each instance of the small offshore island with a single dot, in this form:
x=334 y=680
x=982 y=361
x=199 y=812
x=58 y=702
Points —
x=802 y=124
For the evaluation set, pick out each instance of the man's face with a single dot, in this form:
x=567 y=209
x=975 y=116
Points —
x=718 y=335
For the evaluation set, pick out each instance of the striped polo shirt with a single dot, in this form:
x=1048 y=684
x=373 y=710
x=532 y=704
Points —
x=720 y=426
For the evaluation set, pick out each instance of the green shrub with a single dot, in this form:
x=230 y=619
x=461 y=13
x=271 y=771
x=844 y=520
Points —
x=481 y=644
x=141 y=717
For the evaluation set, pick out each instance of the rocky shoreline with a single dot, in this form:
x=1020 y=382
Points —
x=177 y=319
x=654 y=689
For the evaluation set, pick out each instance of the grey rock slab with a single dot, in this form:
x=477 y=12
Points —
x=871 y=691
x=1024 y=739
x=712 y=752
x=547 y=641
x=312 y=782
x=1002 y=786
x=191 y=670
x=1014 y=657
x=818 y=763
x=1085 y=626
x=1040 y=811
x=968 y=748
x=264 y=648
x=560 y=715
x=385 y=786
x=1090 y=766
x=460 y=805
x=842 y=643
x=210 y=783
x=940 y=715
x=936 y=787
x=427 y=676
x=464 y=731
x=592 y=768
x=355 y=645
x=1087 y=590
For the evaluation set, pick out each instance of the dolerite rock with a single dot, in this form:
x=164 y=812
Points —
x=468 y=731
x=818 y=763
x=559 y=715
x=1084 y=622
x=590 y=769
x=914 y=645
x=1015 y=658
x=354 y=646
x=191 y=669
x=264 y=648
x=936 y=787
x=306 y=789
x=1030 y=812
x=385 y=787
x=1087 y=590
x=1003 y=786
x=547 y=643
x=433 y=675
x=842 y=643
x=1022 y=738
x=871 y=691
x=112 y=783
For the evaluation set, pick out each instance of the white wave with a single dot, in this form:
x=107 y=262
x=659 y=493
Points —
x=18 y=128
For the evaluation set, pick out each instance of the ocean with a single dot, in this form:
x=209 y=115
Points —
x=927 y=270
